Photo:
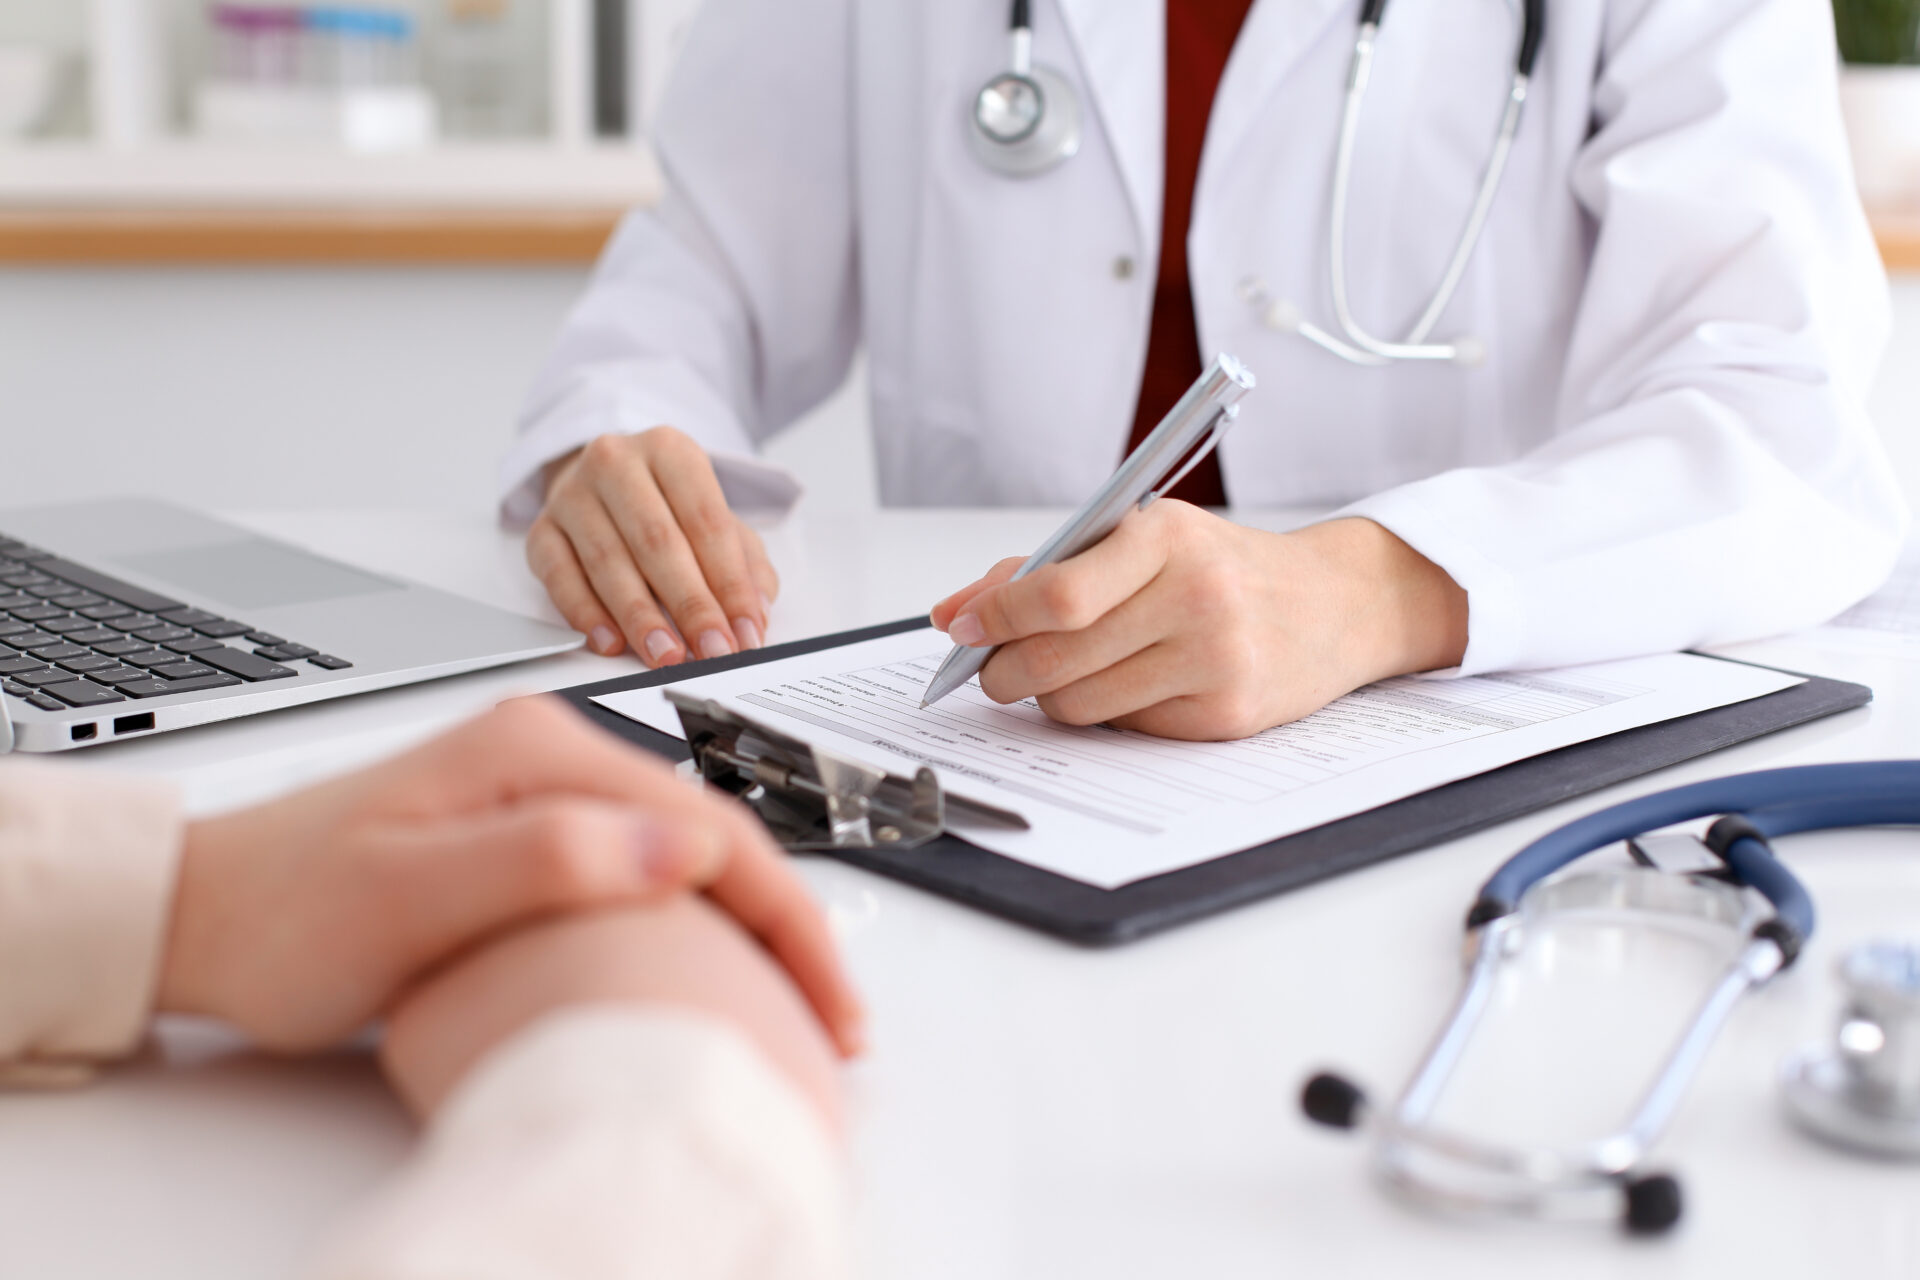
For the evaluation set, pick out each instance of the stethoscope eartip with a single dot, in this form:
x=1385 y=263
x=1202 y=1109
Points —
x=1333 y=1101
x=1283 y=316
x=1653 y=1204
x=1469 y=351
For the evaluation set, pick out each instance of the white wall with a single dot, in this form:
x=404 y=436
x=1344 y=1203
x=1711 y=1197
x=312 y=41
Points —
x=369 y=388
x=301 y=388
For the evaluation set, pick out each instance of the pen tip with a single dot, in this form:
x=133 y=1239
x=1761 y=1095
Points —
x=924 y=704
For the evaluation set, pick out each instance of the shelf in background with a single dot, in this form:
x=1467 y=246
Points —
x=392 y=237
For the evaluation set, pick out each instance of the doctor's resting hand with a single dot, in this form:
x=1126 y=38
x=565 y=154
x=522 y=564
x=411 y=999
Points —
x=303 y=919
x=1184 y=624
x=638 y=548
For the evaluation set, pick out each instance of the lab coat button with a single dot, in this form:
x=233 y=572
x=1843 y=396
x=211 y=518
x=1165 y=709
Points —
x=1123 y=268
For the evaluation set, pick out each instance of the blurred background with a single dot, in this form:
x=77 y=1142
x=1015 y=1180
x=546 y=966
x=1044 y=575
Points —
x=344 y=235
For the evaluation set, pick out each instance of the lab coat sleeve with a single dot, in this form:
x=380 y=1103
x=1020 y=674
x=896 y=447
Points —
x=612 y=1141
x=1713 y=475
x=733 y=308
x=87 y=869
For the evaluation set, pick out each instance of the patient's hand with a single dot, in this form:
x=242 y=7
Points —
x=636 y=539
x=1183 y=624
x=680 y=953
x=301 y=920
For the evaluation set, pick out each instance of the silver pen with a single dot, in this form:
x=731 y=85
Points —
x=1190 y=430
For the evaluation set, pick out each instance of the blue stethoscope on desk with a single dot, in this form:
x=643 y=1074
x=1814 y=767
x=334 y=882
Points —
x=1027 y=119
x=1860 y=1093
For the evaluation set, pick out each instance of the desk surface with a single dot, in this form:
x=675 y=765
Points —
x=1028 y=1109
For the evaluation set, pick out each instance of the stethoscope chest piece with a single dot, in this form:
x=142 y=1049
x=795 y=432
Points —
x=1025 y=122
x=1862 y=1090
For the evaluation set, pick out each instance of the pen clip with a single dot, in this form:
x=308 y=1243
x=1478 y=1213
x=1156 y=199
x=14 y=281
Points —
x=1221 y=422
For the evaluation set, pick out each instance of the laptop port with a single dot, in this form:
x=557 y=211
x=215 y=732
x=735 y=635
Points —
x=83 y=732
x=142 y=723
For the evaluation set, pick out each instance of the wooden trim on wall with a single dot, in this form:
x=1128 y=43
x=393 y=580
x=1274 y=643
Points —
x=260 y=237
x=400 y=237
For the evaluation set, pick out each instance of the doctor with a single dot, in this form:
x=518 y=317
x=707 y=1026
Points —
x=1636 y=423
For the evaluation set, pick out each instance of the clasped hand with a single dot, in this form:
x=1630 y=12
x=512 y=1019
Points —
x=1186 y=625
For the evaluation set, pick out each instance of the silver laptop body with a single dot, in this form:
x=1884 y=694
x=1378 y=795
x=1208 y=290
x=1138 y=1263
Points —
x=92 y=574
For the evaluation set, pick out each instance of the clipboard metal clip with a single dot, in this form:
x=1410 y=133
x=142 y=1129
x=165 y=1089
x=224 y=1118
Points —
x=813 y=800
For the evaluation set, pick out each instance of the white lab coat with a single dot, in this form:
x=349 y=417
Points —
x=1678 y=292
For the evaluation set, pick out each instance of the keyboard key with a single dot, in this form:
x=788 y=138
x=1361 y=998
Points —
x=14 y=666
x=121 y=646
x=15 y=688
x=116 y=675
x=93 y=635
x=57 y=651
x=159 y=635
x=151 y=688
x=111 y=588
x=287 y=652
x=62 y=626
x=46 y=675
x=149 y=658
x=192 y=644
x=6 y=653
x=181 y=671
x=11 y=599
x=39 y=612
x=190 y=617
x=133 y=622
x=327 y=662
x=255 y=637
x=45 y=703
x=11 y=566
x=245 y=665
x=9 y=627
x=80 y=693
x=76 y=599
x=31 y=639
x=49 y=589
x=85 y=663
x=101 y=612
x=222 y=628
x=25 y=578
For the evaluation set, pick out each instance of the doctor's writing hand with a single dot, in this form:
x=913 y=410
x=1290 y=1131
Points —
x=1186 y=625
x=301 y=920
x=636 y=543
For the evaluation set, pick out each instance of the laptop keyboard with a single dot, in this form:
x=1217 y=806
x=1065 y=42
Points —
x=72 y=637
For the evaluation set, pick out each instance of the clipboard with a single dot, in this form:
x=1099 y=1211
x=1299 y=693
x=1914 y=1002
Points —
x=1087 y=914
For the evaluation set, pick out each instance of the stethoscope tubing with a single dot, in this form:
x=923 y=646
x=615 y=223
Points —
x=1771 y=802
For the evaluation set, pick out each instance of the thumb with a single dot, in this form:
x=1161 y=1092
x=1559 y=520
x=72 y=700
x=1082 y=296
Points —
x=454 y=880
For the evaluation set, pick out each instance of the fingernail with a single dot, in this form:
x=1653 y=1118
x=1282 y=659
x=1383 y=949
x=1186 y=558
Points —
x=966 y=629
x=667 y=855
x=748 y=631
x=605 y=640
x=766 y=606
x=714 y=645
x=659 y=645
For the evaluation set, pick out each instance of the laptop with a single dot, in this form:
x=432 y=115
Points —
x=129 y=617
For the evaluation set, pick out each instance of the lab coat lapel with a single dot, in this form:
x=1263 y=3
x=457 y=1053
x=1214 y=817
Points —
x=1276 y=33
x=1121 y=46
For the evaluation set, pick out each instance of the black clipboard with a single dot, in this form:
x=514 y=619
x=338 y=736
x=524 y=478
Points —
x=1087 y=914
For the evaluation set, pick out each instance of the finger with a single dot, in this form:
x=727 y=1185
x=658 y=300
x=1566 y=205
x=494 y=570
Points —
x=1067 y=596
x=648 y=525
x=1147 y=679
x=608 y=561
x=452 y=881
x=1052 y=660
x=551 y=558
x=760 y=565
x=535 y=746
x=685 y=475
x=942 y=613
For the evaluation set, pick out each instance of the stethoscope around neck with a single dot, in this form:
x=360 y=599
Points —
x=1027 y=120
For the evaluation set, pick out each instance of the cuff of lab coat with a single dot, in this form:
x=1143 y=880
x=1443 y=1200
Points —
x=613 y=1140
x=87 y=870
x=673 y=396
x=1496 y=620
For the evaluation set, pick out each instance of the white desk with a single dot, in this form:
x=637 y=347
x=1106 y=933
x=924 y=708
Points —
x=1029 y=1109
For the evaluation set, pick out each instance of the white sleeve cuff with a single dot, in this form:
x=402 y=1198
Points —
x=613 y=1141
x=87 y=868
x=602 y=404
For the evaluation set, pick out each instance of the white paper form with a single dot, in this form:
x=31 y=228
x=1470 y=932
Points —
x=1108 y=806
